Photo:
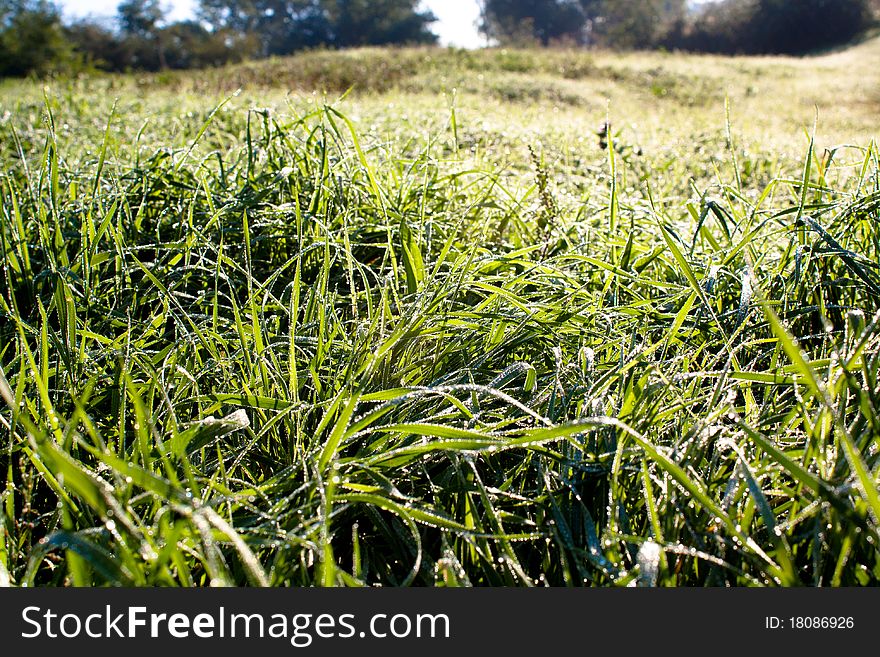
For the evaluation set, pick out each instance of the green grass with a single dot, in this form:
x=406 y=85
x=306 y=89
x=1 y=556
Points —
x=431 y=333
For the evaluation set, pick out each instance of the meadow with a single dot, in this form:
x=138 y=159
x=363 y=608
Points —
x=443 y=318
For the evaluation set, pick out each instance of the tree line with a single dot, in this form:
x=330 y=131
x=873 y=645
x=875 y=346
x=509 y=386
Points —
x=722 y=26
x=34 y=38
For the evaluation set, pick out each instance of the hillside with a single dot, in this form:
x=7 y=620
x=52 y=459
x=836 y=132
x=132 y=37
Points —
x=392 y=317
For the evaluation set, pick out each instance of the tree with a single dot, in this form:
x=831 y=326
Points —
x=780 y=26
x=140 y=17
x=609 y=23
x=98 y=45
x=378 y=22
x=776 y=26
x=189 y=45
x=632 y=23
x=543 y=21
x=282 y=26
x=32 y=38
x=140 y=22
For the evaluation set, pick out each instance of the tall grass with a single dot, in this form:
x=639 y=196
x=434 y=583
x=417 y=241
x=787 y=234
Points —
x=285 y=353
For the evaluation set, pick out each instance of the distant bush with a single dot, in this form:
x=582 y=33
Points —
x=725 y=26
x=32 y=38
x=606 y=23
x=774 y=26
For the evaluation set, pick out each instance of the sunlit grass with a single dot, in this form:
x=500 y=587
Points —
x=417 y=336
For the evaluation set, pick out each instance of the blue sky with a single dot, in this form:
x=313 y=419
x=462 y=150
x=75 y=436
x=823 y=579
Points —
x=456 y=24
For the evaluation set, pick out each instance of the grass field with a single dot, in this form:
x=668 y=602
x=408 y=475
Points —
x=405 y=318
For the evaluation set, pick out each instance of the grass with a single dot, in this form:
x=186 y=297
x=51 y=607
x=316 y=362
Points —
x=432 y=333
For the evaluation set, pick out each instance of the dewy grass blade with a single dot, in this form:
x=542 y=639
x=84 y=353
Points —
x=783 y=550
x=865 y=479
x=805 y=185
x=413 y=263
x=340 y=424
x=213 y=113
x=795 y=354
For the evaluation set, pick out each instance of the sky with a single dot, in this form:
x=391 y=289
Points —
x=456 y=23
